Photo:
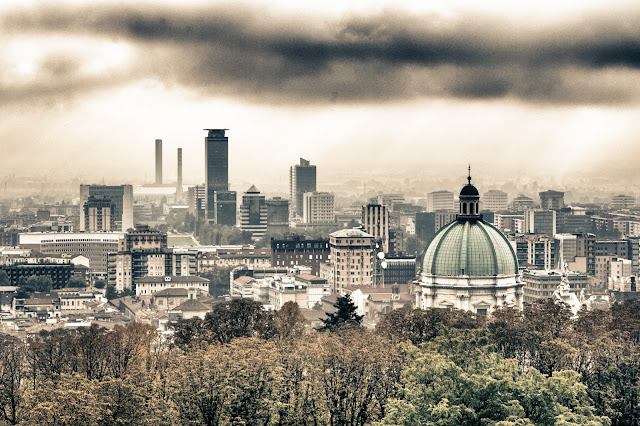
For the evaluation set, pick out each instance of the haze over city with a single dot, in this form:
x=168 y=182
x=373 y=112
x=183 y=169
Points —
x=538 y=90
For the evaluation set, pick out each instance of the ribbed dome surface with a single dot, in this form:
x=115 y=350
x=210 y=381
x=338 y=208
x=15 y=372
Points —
x=471 y=248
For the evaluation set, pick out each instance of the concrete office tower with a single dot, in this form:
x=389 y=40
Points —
x=253 y=213
x=97 y=214
x=540 y=222
x=179 y=183
x=158 y=161
x=122 y=197
x=318 y=208
x=302 y=178
x=495 y=201
x=277 y=214
x=220 y=206
x=375 y=219
x=551 y=200
x=440 y=201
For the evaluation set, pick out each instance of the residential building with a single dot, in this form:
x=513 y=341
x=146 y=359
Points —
x=440 y=201
x=196 y=200
x=375 y=221
x=253 y=213
x=120 y=195
x=318 y=208
x=551 y=200
x=522 y=203
x=97 y=214
x=542 y=284
x=540 y=222
x=277 y=215
x=302 y=179
x=495 y=200
x=622 y=202
x=352 y=258
x=297 y=250
x=152 y=284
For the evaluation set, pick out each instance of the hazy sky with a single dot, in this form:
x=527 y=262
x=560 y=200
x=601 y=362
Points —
x=88 y=86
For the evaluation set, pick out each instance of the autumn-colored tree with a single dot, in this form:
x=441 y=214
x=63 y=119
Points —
x=289 y=323
x=12 y=373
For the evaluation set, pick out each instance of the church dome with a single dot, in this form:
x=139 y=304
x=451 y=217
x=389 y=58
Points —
x=470 y=248
x=469 y=190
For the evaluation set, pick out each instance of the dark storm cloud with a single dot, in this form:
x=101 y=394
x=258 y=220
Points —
x=251 y=53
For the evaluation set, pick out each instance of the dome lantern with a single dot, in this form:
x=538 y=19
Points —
x=469 y=201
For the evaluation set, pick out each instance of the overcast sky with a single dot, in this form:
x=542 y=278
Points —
x=86 y=87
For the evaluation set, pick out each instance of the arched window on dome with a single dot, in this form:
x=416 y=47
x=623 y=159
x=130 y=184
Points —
x=464 y=208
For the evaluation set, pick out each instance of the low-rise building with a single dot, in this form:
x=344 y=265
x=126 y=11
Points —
x=151 y=285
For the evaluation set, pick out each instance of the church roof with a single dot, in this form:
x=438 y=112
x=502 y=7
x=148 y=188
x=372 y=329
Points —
x=470 y=248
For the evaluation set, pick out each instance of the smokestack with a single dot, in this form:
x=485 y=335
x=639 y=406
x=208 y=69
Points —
x=179 y=188
x=158 y=161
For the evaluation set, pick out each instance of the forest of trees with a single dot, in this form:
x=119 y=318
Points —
x=243 y=365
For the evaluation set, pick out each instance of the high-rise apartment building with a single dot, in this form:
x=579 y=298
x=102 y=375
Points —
x=440 y=201
x=297 y=250
x=158 y=161
x=97 y=214
x=352 y=259
x=253 y=213
x=495 y=201
x=302 y=178
x=375 y=220
x=220 y=206
x=318 y=208
x=120 y=195
x=196 y=200
x=551 y=200
x=277 y=214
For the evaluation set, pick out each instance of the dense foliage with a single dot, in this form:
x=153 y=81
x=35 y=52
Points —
x=242 y=365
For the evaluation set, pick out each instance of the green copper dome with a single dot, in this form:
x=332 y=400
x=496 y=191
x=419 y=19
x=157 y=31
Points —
x=472 y=248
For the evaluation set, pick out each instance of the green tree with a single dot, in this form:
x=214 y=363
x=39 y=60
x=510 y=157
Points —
x=4 y=278
x=100 y=284
x=111 y=292
x=42 y=284
x=12 y=375
x=345 y=315
x=76 y=283
x=453 y=382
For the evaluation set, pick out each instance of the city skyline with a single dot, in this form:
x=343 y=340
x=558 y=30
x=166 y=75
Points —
x=542 y=92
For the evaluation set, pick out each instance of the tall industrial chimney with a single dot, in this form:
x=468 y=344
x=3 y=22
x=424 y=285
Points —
x=179 y=188
x=158 y=161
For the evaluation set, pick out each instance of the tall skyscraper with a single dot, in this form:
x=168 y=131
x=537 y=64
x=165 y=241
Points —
x=122 y=197
x=220 y=204
x=302 y=178
x=179 y=183
x=158 y=161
